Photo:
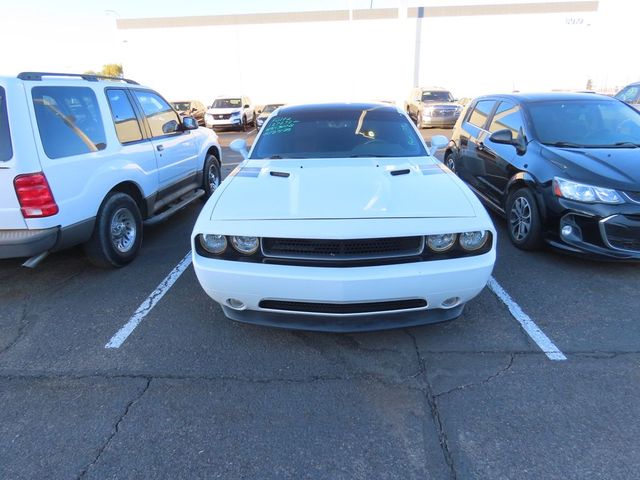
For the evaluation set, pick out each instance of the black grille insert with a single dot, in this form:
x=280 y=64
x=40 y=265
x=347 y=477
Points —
x=342 y=250
x=343 y=308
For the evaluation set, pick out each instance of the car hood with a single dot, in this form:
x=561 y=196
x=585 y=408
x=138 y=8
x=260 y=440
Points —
x=223 y=111
x=607 y=167
x=342 y=189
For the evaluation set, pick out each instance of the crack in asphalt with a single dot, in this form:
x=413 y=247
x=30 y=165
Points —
x=482 y=382
x=435 y=413
x=115 y=430
x=23 y=324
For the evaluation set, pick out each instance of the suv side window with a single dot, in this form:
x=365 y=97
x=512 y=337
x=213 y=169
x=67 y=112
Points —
x=507 y=116
x=124 y=118
x=481 y=112
x=162 y=119
x=68 y=120
x=630 y=94
x=6 y=150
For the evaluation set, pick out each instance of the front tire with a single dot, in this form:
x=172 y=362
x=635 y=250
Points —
x=450 y=161
x=524 y=223
x=212 y=175
x=117 y=234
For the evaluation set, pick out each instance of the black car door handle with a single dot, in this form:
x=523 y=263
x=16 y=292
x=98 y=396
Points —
x=160 y=148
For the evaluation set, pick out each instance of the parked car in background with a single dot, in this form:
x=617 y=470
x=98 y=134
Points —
x=89 y=160
x=631 y=95
x=265 y=112
x=192 y=108
x=564 y=168
x=230 y=112
x=363 y=228
x=433 y=107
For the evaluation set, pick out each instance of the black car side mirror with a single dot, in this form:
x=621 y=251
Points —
x=505 y=137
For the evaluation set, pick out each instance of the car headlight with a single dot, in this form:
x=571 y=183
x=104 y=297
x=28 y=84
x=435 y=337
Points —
x=471 y=241
x=245 y=245
x=584 y=193
x=442 y=242
x=215 y=244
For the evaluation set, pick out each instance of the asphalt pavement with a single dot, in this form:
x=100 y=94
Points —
x=190 y=394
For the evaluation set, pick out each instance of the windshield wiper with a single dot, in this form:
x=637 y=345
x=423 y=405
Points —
x=360 y=155
x=565 y=144
x=624 y=145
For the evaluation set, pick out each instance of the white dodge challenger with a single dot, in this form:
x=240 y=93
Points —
x=341 y=219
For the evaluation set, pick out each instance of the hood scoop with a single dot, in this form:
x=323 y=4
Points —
x=404 y=171
x=274 y=173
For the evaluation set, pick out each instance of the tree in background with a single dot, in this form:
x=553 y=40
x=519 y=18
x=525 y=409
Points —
x=589 y=84
x=109 y=70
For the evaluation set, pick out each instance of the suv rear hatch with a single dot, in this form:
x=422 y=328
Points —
x=10 y=215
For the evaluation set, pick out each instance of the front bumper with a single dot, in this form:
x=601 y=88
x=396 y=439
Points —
x=27 y=243
x=607 y=231
x=437 y=120
x=432 y=281
x=227 y=122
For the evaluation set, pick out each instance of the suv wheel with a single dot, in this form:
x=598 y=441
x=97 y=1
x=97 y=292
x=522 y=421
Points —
x=212 y=176
x=117 y=234
x=244 y=124
x=523 y=220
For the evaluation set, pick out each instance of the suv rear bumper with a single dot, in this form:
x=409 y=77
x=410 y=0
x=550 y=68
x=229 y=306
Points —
x=27 y=243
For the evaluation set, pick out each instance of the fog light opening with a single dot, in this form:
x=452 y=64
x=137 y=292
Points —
x=236 y=304
x=450 y=302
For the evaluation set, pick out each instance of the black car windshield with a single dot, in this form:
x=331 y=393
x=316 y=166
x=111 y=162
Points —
x=270 y=108
x=338 y=133
x=598 y=123
x=227 y=103
x=181 y=106
x=6 y=152
x=437 y=96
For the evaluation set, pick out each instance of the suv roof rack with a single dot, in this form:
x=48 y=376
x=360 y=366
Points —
x=90 y=77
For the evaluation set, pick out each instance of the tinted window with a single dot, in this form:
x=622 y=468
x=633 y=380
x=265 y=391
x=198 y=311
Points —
x=182 y=106
x=124 y=119
x=508 y=117
x=437 y=96
x=69 y=120
x=339 y=133
x=160 y=116
x=270 y=108
x=630 y=94
x=480 y=113
x=595 y=123
x=227 y=103
x=6 y=151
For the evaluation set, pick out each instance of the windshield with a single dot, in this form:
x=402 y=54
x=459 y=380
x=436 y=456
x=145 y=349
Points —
x=181 y=106
x=270 y=108
x=592 y=123
x=437 y=96
x=6 y=151
x=227 y=103
x=339 y=133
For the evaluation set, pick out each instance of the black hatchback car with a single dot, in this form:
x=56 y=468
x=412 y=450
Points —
x=563 y=168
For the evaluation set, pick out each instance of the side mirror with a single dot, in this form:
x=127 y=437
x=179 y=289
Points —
x=240 y=145
x=189 y=123
x=505 y=137
x=438 y=142
x=247 y=106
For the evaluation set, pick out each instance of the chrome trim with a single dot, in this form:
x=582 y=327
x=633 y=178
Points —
x=628 y=197
x=418 y=251
x=605 y=239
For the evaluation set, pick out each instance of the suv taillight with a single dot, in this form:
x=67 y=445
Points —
x=34 y=195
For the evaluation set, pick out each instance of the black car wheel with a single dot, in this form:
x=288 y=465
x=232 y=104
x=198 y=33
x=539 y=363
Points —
x=244 y=124
x=523 y=220
x=450 y=161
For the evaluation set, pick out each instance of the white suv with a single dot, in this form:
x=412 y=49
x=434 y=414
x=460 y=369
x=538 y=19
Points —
x=88 y=160
x=230 y=111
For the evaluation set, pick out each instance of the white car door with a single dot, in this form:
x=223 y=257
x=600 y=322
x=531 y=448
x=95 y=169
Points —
x=176 y=150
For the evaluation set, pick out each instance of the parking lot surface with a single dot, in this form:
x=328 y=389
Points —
x=190 y=394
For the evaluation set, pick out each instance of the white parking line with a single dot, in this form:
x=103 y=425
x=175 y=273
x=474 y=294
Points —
x=529 y=326
x=145 y=307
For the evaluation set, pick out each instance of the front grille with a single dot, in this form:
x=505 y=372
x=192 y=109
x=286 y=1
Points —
x=444 y=112
x=225 y=116
x=342 y=250
x=343 y=308
x=633 y=196
x=622 y=232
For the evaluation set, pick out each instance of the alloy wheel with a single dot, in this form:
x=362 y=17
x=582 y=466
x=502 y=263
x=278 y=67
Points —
x=520 y=219
x=123 y=230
